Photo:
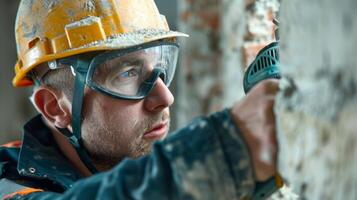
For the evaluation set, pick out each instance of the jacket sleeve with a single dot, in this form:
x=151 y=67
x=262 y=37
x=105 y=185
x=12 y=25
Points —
x=205 y=160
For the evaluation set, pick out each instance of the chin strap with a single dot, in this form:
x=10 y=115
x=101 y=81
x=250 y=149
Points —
x=78 y=145
x=75 y=138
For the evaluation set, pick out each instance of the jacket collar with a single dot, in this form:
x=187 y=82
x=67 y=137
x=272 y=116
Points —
x=41 y=158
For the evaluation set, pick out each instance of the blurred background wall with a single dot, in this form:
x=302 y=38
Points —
x=15 y=108
x=224 y=38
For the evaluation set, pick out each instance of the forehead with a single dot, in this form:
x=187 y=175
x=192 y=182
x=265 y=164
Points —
x=144 y=53
x=150 y=54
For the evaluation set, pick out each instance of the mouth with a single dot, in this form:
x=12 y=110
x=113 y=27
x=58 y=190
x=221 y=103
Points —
x=157 y=132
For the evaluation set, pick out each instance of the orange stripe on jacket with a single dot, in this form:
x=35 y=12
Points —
x=13 y=144
x=22 y=192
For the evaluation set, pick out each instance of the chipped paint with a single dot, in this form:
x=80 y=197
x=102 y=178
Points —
x=84 y=22
x=49 y=4
x=105 y=4
x=89 y=5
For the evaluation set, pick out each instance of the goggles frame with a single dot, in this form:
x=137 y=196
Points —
x=86 y=65
x=145 y=87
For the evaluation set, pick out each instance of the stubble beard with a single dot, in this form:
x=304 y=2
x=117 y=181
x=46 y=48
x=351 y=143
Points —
x=115 y=147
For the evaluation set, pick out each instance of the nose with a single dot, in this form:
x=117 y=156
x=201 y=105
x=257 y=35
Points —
x=159 y=97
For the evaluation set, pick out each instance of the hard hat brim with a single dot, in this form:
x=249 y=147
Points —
x=120 y=41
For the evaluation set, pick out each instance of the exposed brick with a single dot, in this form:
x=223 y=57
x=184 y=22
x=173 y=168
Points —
x=250 y=51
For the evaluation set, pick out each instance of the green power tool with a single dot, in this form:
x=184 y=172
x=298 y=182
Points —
x=265 y=65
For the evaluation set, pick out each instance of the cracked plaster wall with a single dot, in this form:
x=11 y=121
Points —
x=317 y=107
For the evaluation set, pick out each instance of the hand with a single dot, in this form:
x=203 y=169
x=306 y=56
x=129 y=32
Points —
x=254 y=115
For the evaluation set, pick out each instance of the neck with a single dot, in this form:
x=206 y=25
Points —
x=69 y=152
x=102 y=166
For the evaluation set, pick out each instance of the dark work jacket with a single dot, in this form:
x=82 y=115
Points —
x=205 y=160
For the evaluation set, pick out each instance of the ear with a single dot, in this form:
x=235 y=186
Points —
x=53 y=106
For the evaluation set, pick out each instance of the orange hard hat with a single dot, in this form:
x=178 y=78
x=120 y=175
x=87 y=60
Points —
x=51 y=29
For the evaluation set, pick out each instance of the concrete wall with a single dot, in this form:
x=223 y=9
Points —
x=317 y=106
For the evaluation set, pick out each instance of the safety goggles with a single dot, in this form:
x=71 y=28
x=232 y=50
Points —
x=129 y=73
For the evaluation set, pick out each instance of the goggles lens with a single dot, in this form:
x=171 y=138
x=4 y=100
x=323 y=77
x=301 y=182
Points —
x=131 y=74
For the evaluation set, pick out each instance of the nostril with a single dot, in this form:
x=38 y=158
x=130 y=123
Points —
x=160 y=97
x=163 y=77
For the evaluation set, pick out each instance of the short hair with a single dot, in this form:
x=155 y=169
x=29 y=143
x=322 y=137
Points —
x=60 y=79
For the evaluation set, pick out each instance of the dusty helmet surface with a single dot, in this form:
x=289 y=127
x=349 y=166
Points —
x=51 y=29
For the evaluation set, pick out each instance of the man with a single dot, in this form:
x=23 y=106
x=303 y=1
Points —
x=101 y=71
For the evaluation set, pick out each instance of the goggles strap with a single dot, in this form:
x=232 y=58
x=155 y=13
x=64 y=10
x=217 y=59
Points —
x=75 y=138
x=78 y=146
x=77 y=103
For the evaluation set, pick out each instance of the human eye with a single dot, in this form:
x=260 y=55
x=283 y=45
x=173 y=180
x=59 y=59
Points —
x=130 y=72
x=127 y=72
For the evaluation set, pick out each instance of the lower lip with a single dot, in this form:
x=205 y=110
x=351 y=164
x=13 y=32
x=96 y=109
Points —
x=156 y=133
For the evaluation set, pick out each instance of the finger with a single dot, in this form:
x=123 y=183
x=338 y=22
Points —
x=272 y=86
x=267 y=107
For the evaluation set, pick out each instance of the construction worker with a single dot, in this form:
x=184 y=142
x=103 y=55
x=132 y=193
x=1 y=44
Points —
x=100 y=71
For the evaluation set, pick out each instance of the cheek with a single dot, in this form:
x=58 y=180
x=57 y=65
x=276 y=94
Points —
x=117 y=114
x=111 y=123
x=119 y=110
